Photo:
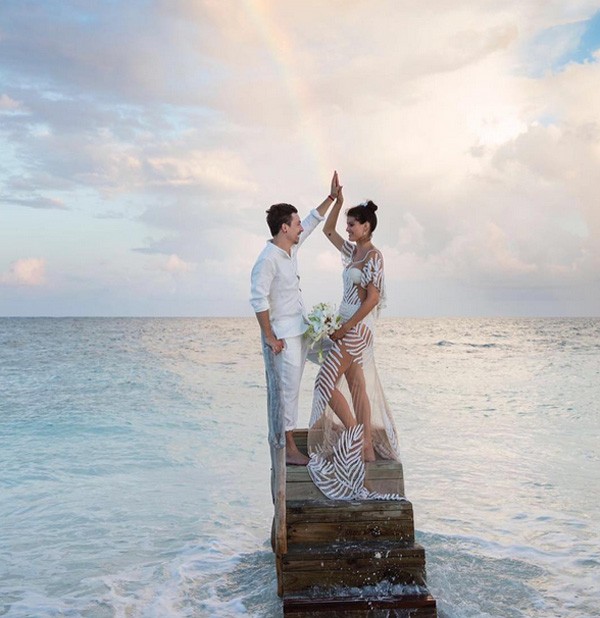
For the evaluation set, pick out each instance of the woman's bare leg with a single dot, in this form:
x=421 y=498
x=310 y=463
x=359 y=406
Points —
x=326 y=392
x=362 y=406
x=341 y=408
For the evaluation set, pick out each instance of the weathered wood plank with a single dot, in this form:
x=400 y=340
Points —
x=401 y=532
x=336 y=509
x=346 y=566
x=345 y=551
x=423 y=612
x=384 y=468
x=334 y=547
x=380 y=607
x=352 y=563
x=383 y=476
x=362 y=613
x=366 y=573
x=307 y=490
x=376 y=517
x=397 y=529
x=301 y=437
x=279 y=498
x=298 y=581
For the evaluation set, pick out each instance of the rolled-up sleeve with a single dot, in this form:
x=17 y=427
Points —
x=311 y=221
x=260 y=284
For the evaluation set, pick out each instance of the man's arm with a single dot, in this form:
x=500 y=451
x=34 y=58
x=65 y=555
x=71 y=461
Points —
x=317 y=215
x=333 y=193
x=261 y=279
x=329 y=227
x=265 y=326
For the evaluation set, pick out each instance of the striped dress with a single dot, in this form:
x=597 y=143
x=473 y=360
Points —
x=348 y=400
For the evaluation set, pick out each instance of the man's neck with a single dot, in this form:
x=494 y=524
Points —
x=283 y=243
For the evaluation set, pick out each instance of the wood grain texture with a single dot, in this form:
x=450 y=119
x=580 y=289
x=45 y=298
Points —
x=342 y=555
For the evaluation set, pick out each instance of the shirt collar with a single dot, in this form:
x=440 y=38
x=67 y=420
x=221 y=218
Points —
x=279 y=250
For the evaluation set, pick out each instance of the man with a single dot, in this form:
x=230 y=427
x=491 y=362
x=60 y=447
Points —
x=277 y=301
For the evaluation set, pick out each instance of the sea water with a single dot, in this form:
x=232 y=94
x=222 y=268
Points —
x=134 y=468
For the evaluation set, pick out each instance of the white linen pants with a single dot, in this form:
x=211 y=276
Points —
x=289 y=364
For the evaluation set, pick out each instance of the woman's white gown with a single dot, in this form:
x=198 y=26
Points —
x=336 y=464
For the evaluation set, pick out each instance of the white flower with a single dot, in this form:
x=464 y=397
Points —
x=322 y=321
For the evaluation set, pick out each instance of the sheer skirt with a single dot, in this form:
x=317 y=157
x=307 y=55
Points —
x=350 y=419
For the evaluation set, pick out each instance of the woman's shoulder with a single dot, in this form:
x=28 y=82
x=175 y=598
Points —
x=374 y=254
x=348 y=249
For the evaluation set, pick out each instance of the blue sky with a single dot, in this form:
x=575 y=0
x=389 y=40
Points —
x=142 y=141
x=568 y=42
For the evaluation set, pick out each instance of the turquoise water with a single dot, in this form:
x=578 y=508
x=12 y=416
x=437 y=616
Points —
x=134 y=470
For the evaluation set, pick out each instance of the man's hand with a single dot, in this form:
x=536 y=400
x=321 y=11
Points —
x=335 y=186
x=275 y=344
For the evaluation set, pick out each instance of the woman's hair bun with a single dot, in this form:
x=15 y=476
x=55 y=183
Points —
x=371 y=205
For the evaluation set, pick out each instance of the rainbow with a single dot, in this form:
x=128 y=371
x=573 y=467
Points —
x=280 y=49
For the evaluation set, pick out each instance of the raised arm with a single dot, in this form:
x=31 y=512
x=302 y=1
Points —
x=329 y=227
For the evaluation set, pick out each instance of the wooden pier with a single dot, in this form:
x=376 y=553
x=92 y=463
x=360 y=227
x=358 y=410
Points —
x=339 y=558
x=345 y=558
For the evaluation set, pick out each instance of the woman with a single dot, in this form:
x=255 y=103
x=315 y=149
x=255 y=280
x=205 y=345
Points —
x=350 y=421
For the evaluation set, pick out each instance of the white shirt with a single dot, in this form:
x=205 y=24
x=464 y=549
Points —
x=275 y=284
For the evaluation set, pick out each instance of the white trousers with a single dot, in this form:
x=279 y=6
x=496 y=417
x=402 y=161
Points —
x=289 y=364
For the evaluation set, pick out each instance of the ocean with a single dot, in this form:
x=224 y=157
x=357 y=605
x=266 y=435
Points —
x=134 y=466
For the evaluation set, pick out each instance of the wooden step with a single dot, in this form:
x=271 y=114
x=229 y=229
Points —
x=327 y=568
x=384 y=476
x=301 y=439
x=351 y=558
x=406 y=606
x=336 y=521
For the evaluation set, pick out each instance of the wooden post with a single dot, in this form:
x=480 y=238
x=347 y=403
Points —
x=277 y=448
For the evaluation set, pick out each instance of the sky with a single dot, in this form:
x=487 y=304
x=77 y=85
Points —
x=141 y=142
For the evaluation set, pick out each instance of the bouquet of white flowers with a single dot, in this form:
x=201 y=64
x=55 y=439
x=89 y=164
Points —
x=322 y=321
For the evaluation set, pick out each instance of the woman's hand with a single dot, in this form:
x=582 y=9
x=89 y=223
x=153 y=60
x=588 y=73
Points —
x=340 y=333
x=335 y=186
x=340 y=196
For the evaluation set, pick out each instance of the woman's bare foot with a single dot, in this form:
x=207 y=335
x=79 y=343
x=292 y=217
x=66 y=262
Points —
x=295 y=458
x=368 y=453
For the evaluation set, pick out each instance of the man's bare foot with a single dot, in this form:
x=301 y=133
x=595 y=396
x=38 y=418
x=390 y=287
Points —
x=293 y=456
x=296 y=458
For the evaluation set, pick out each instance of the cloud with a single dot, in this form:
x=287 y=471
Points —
x=25 y=272
x=102 y=49
x=218 y=169
x=8 y=104
x=97 y=158
x=175 y=265
x=472 y=125
x=40 y=202
x=110 y=214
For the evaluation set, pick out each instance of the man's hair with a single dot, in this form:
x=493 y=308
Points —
x=279 y=214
